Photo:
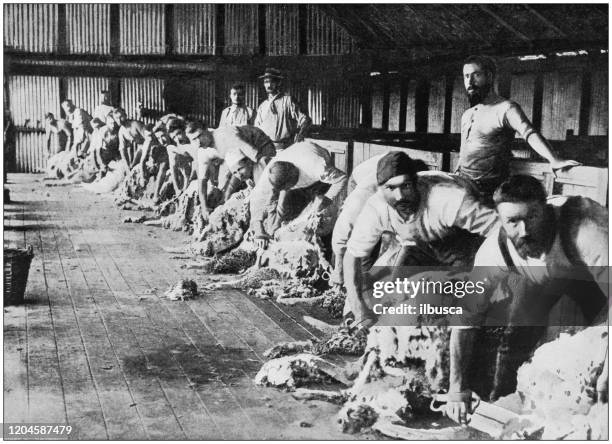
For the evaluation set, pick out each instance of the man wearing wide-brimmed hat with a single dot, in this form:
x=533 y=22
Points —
x=280 y=116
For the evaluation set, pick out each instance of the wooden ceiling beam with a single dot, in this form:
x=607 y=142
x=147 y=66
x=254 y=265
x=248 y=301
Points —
x=546 y=21
x=505 y=24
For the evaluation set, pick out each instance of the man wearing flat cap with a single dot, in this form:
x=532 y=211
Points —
x=436 y=217
x=279 y=116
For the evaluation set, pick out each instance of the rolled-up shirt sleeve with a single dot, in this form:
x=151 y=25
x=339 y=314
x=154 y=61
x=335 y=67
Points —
x=515 y=118
x=366 y=233
x=471 y=215
x=263 y=199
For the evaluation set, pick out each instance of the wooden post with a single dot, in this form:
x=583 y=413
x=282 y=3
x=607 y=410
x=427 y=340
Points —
x=386 y=100
x=585 y=104
x=403 y=102
x=115 y=41
x=261 y=17
x=62 y=44
x=303 y=29
x=365 y=102
x=448 y=102
x=169 y=18
x=421 y=105
x=219 y=29
x=538 y=97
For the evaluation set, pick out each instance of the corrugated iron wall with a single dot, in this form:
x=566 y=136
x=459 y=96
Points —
x=84 y=91
x=142 y=29
x=194 y=29
x=30 y=152
x=282 y=29
x=325 y=37
x=31 y=27
x=561 y=104
x=241 y=29
x=147 y=90
x=345 y=110
x=318 y=101
x=88 y=28
x=30 y=98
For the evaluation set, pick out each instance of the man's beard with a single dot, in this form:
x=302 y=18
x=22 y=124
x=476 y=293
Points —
x=477 y=94
x=529 y=247
x=406 y=207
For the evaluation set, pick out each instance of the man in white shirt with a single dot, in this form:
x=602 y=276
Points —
x=363 y=185
x=104 y=108
x=238 y=114
x=294 y=178
x=435 y=216
x=207 y=151
x=280 y=116
x=553 y=251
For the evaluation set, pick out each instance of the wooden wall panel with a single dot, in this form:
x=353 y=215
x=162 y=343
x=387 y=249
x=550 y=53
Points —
x=598 y=115
x=411 y=106
x=437 y=100
x=522 y=90
x=394 y=105
x=561 y=104
x=377 y=104
x=459 y=105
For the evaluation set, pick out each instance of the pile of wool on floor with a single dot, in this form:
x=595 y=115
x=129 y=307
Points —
x=226 y=226
x=558 y=386
x=115 y=174
x=295 y=254
x=401 y=368
x=136 y=192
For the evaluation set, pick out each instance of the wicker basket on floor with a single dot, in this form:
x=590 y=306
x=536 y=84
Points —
x=16 y=269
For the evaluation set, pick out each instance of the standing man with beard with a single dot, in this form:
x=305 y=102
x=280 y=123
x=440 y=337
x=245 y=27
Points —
x=488 y=127
x=556 y=250
x=279 y=116
x=435 y=216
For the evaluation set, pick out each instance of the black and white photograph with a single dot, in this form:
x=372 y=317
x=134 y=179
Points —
x=305 y=221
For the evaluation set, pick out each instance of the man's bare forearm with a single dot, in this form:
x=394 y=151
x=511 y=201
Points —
x=461 y=346
x=541 y=146
x=353 y=278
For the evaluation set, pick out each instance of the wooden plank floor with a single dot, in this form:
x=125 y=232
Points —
x=96 y=346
